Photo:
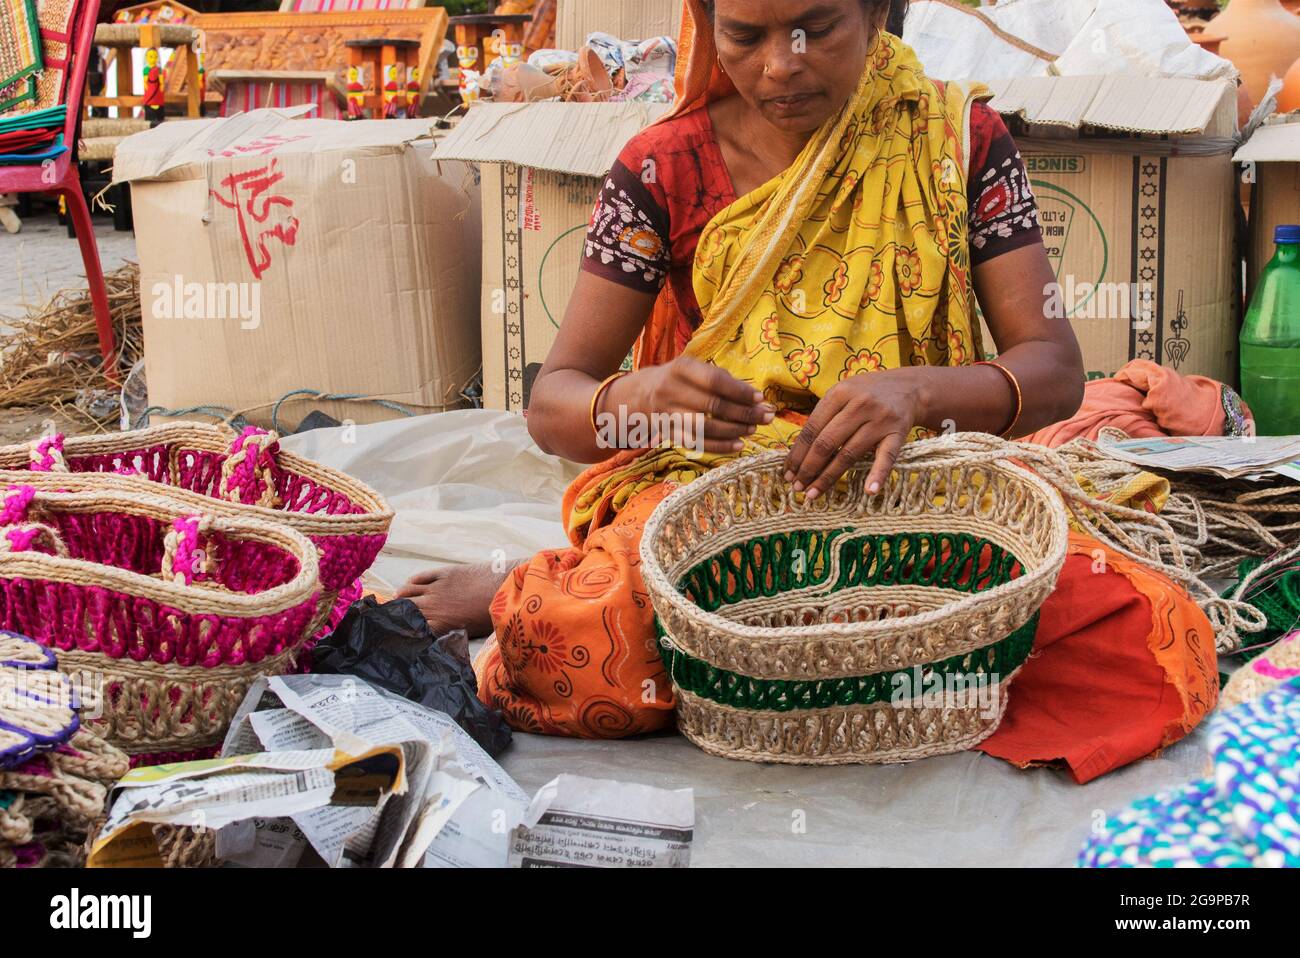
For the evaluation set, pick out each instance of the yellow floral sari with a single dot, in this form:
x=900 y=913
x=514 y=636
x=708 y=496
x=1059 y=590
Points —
x=854 y=260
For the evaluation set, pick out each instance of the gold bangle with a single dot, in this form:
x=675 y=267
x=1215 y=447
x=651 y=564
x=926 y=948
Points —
x=1020 y=396
x=595 y=398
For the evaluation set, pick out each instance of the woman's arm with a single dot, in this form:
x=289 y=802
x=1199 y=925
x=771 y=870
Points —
x=874 y=412
x=601 y=324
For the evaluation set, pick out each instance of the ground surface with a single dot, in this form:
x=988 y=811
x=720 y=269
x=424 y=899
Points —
x=34 y=264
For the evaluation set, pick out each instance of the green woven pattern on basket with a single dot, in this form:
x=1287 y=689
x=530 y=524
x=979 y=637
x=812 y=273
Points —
x=786 y=695
x=768 y=566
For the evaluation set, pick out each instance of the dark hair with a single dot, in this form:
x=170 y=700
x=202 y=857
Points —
x=893 y=23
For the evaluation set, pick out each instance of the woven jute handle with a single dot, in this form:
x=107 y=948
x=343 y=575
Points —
x=185 y=555
x=17 y=532
x=247 y=475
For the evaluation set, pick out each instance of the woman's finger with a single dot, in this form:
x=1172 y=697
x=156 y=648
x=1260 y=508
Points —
x=718 y=382
x=823 y=413
x=886 y=455
x=713 y=406
x=857 y=447
x=826 y=445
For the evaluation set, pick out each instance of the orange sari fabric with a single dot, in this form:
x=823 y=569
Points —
x=1123 y=666
x=574 y=652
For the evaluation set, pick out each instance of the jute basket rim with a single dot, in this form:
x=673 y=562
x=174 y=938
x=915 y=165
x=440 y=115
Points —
x=302 y=588
x=209 y=438
x=188 y=501
x=663 y=590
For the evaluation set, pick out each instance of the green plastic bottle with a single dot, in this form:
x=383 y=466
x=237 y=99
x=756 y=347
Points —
x=1270 y=342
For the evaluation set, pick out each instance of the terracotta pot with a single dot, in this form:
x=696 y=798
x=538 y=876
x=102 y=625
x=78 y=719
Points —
x=1245 y=106
x=1262 y=40
x=1293 y=6
x=1289 y=98
x=1206 y=40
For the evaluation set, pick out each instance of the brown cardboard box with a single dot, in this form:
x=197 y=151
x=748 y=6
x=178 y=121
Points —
x=625 y=19
x=1275 y=150
x=279 y=254
x=541 y=165
x=1137 y=192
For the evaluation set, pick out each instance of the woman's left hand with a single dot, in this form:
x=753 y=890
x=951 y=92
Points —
x=870 y=412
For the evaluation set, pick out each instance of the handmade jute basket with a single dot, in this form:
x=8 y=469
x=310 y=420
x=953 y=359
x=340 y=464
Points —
x=856 y=628
x=346 y=519
x=164 y=616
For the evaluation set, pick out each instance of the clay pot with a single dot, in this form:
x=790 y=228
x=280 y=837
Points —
x=1209 y=42
x=1289 y=98
x=1293 y=6
x=1245 y=106
x=1262 y=40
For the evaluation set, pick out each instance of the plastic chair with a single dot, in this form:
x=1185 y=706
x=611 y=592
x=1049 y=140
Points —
x=60 y=176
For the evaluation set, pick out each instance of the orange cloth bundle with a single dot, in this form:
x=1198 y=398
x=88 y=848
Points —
x=1146 y=400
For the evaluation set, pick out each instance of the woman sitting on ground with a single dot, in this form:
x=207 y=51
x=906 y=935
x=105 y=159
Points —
x=795 y=253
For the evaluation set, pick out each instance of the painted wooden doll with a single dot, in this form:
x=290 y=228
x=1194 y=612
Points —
x=356 y=95
x=154 y=99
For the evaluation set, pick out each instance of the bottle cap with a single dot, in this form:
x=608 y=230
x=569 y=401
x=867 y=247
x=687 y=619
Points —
x=1287 y=234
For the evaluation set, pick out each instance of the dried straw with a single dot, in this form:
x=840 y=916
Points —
x=53 y=353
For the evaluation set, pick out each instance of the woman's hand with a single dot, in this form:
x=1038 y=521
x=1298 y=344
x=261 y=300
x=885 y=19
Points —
x=871 y=412
x=705 y=398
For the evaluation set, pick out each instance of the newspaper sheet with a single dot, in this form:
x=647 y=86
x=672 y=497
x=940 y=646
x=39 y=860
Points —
x=1226 y=456
x=577 y=822
x=215 y=793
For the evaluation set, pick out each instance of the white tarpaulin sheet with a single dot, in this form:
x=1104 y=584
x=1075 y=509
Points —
x=1079 y=38
x=466 y=483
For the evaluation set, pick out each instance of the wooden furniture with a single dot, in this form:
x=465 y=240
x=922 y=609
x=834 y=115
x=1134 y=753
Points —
x=60 y=176
x=372 y=57
x=243 y=90
x=123 y=38
x=331 y=6
x=294 y=43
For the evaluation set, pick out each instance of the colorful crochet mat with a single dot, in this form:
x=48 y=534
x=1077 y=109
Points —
x=20 y=52
x=1246 y=816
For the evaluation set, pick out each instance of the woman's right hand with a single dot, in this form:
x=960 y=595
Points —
x=704 y=397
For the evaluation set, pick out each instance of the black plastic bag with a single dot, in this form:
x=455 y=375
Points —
x=392 y=646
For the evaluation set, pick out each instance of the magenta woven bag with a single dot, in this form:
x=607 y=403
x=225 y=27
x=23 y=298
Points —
x=164 y=616
x=347 y=520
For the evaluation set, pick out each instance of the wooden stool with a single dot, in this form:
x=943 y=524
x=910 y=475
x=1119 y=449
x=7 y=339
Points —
x=376 y=55
x=125 y=37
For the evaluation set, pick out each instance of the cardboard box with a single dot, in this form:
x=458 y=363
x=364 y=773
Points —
x=279 y=254
x=541 y=167
x=1138 y=196
x=1275 y=199
x=625 y=19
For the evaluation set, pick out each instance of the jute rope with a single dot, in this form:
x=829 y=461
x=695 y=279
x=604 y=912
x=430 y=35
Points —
x=1217 y=523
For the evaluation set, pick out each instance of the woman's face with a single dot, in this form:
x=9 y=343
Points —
x=795 y=61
